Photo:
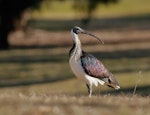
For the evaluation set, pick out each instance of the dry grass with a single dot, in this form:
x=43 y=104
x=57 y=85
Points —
x=56 y=104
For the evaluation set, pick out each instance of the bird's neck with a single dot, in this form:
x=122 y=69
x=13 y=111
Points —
x=76 y=51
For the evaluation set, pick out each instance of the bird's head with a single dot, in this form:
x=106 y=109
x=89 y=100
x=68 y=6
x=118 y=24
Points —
x=78 y=30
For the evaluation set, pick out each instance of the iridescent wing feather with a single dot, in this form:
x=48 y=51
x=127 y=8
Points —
x=93 y=67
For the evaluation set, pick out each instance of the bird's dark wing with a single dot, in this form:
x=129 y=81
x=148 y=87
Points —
x=93 y=67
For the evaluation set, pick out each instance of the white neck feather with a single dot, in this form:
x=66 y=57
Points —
x=77 y=49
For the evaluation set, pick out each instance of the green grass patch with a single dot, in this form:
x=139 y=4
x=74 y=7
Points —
x=64 y=9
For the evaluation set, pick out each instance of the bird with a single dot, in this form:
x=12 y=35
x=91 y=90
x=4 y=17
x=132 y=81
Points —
x=86 y=67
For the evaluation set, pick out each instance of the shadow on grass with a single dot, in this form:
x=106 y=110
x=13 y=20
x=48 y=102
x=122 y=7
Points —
x=64 y=57
x=128 y=22
x=33 y=82
x=121 y=54
x=34 y=59
x=140 y=90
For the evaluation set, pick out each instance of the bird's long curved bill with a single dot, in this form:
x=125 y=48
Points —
x=88 y=33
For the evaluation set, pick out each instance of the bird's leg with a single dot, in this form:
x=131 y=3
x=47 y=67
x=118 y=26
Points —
x=89 y=89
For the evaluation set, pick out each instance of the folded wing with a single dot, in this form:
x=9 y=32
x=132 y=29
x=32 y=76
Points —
x=94 y=68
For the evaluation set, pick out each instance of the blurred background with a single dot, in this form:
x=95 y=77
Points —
x=35 y=77
x=35 y=41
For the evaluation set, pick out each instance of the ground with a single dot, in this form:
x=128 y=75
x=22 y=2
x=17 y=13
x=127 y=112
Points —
x=51 y=104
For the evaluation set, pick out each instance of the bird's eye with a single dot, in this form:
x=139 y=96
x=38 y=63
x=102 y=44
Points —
x=76 y=30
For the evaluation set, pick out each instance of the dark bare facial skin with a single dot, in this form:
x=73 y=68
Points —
x=78 y=30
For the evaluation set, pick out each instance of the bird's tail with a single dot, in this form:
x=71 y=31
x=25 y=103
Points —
x=112 y=82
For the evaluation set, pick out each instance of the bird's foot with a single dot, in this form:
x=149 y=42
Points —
x=90 y=95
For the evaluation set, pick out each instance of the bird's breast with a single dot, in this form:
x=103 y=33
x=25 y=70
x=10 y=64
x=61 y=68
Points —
x=77 y=69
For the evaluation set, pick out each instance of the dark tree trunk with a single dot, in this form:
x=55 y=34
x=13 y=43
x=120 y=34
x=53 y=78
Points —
x=10 y=12
x=3 y=40
x=6 y=25
x=4 y=31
